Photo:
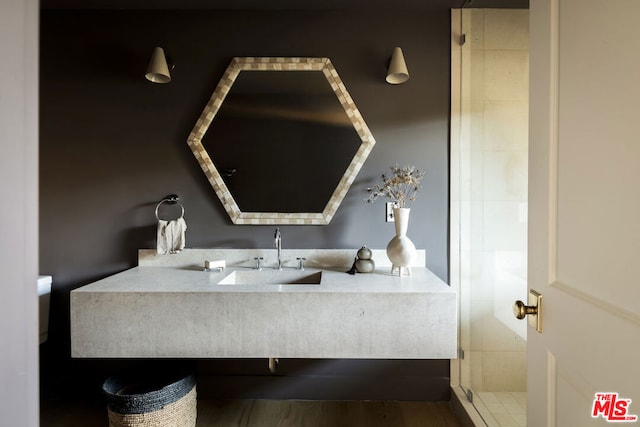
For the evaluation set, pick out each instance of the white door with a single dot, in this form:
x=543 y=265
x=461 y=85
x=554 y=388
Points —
x=584 y=214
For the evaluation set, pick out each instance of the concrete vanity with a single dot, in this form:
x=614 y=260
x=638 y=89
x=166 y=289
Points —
x=167 y=307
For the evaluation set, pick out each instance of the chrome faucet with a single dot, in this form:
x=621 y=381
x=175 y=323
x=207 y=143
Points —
x=278 y=244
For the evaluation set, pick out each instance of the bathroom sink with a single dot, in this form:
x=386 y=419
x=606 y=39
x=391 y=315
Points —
x=272 y=277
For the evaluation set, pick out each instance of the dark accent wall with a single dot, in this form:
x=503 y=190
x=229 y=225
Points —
x=113 y=144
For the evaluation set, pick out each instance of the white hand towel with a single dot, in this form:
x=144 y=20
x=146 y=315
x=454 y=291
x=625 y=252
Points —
x=179 y=227
x=171 y=236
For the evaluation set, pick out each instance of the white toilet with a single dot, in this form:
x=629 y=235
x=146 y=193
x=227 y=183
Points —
x=44 y=296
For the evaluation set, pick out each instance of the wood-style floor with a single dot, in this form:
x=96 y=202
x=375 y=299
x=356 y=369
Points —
x=268 y=413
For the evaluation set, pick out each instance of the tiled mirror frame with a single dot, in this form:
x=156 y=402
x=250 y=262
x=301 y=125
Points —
x=215 y=102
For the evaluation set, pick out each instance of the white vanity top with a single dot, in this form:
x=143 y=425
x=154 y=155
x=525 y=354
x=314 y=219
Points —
x=184 y=279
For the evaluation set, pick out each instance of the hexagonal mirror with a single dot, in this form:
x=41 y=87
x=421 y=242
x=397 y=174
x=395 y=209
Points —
x=281 y=140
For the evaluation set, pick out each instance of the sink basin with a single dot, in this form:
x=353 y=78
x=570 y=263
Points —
x=272 y=277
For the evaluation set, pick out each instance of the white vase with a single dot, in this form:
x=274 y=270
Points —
x=401 y=250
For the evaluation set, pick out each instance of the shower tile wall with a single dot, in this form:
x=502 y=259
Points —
x=494 y=199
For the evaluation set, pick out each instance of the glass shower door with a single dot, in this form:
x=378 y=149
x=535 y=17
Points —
x=489 y=210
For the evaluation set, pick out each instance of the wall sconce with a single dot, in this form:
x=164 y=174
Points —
x=158 y=70
x=397 y=72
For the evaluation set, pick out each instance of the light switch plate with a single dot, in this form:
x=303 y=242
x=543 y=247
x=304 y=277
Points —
x=389 y=212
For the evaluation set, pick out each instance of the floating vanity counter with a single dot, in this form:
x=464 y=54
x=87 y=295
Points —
x=167 y=307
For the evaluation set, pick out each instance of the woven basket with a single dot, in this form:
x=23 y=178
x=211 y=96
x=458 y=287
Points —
x=151 y=402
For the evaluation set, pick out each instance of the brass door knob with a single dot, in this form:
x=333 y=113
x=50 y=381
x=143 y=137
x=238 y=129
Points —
x=533 y=310
x=520 y=310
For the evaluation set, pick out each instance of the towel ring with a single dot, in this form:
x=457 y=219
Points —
x=171 y=200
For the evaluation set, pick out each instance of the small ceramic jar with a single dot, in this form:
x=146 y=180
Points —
x=364 y=263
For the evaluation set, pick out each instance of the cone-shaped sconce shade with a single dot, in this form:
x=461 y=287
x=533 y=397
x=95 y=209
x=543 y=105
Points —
x=398 y=72
x=158 y=70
